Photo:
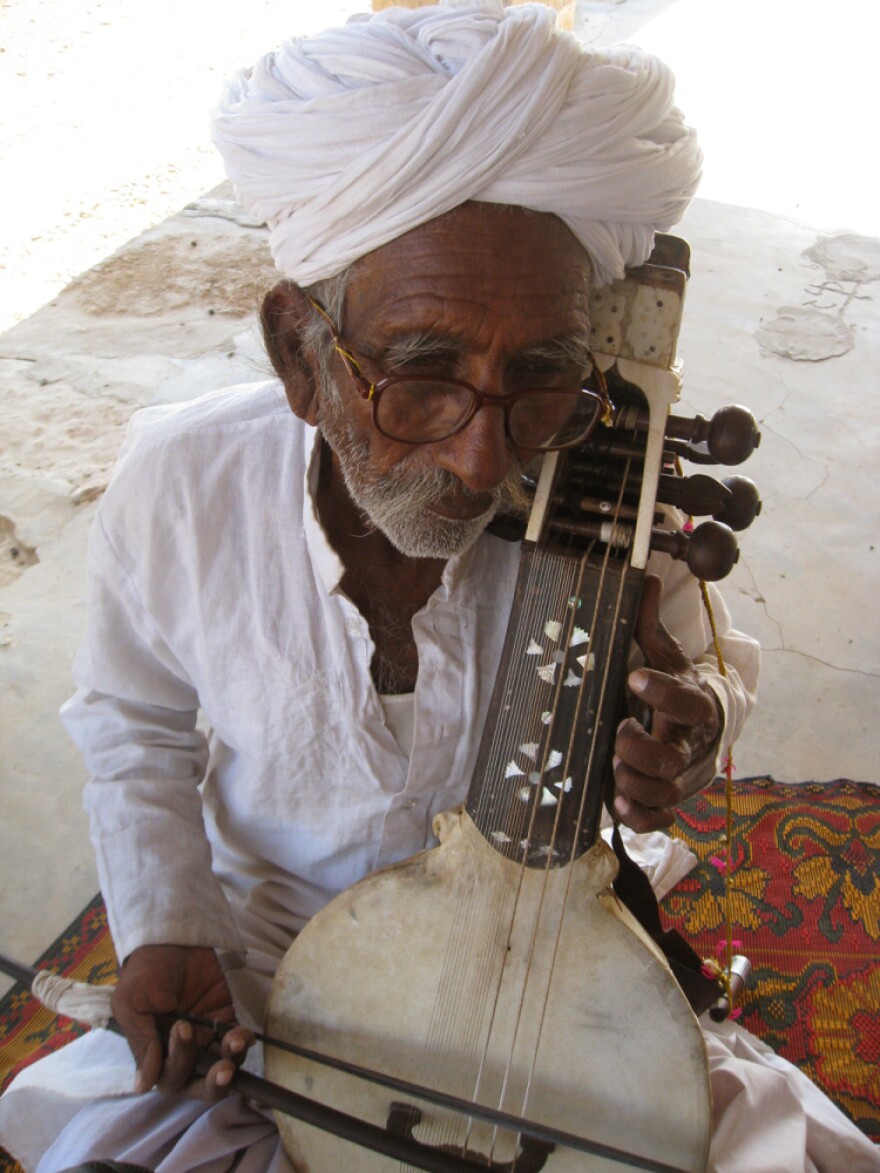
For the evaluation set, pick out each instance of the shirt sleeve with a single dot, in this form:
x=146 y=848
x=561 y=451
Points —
x=134 y=718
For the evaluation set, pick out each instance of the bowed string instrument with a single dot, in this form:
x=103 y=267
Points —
x=509 y=999
x=520 y=967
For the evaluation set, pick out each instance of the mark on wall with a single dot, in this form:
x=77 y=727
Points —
x=805 y=334
x=146 y=277
x=15 y=555
x=817 y=329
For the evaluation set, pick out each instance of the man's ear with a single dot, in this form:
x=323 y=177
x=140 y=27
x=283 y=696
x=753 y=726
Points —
x=283 y=317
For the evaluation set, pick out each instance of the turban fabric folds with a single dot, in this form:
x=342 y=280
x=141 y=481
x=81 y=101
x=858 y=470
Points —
x=343 y=141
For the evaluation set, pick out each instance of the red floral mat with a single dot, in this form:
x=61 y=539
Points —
x=805 y=902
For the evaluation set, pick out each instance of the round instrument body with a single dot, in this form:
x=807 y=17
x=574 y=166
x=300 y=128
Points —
x=524 y=989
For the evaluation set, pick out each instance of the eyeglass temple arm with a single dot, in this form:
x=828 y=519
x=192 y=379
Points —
x=602 y=391
x=365 y=390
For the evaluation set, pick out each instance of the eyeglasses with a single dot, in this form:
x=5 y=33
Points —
x=423 y=409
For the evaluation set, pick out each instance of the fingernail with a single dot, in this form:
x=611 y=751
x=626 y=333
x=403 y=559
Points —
x=140 y=1084
x=224 y=1076
x=185 y=1032
x=638 y=681
x=615 y=762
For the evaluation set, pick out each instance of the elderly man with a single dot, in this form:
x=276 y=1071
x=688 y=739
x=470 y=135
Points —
x=317 y=577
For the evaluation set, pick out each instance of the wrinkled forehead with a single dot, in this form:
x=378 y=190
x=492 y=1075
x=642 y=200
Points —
x=475 y=270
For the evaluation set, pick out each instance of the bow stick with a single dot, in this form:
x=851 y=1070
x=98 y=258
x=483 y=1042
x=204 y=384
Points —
x=91 y=1005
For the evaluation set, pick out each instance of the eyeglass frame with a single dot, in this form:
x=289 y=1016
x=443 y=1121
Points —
x=372 y=393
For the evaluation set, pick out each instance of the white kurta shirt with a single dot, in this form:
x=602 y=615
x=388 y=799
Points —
x=214 y=588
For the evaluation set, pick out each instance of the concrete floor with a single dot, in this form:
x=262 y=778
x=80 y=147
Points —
x=781 y=316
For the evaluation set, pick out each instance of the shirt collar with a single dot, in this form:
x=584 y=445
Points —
x=327 y=563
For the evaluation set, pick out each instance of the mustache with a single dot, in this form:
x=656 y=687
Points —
x=418 y=488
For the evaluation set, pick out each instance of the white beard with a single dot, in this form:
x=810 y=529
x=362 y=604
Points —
x=398 y=503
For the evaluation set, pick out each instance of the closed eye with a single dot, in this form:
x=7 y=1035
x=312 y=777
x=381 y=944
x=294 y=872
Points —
x=563 y=363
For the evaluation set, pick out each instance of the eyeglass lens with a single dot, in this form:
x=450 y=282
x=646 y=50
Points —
x=427 y=411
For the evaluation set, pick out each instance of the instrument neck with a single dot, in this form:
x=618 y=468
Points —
x=544 y=765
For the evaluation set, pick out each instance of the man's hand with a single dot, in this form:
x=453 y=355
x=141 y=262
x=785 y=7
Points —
x=685 y=724
x=166 y=980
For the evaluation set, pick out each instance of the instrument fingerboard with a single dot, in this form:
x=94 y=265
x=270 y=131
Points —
x=544 y=762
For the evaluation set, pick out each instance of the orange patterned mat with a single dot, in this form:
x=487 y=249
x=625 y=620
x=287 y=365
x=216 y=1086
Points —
x=805 y=903
x=805 y=900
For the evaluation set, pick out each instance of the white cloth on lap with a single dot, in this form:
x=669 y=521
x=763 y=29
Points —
x=172 y=1136
x=767 y=1118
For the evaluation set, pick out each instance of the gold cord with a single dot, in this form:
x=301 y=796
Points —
x=723 y=972
x=711 y=965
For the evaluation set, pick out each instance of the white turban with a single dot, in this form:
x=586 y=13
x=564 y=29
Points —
x=343 y=141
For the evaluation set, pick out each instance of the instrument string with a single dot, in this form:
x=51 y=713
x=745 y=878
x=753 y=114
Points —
x=572 y=596
x=563 y=572
x=553 y=589
x=606 y=668
x=559 y=577
x=460 y=1000
x=588 y=769
x=549 y=574
x=551 y=604
x=466 y=988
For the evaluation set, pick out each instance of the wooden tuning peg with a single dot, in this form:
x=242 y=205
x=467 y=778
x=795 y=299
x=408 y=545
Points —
x=697 y=496
x=743 y=506
x=730 y=437
x=710 y=551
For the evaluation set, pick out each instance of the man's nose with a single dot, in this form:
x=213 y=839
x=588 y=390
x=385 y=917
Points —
x=480 y=455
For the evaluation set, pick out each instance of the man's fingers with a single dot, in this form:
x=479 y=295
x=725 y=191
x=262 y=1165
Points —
x=183 y=1050
x=643 y=818
x=638 y=751
x=647 y=776
x=646 y=789
x=218 y=1065
x=682 y=700
x=685 y=719
x=660 y=649
x=233 y=1049
x=149 y=1059
x=648 y=615
x=143 y=1038
x=187 y=1042
x=236 y=1043
x=219 y=1079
